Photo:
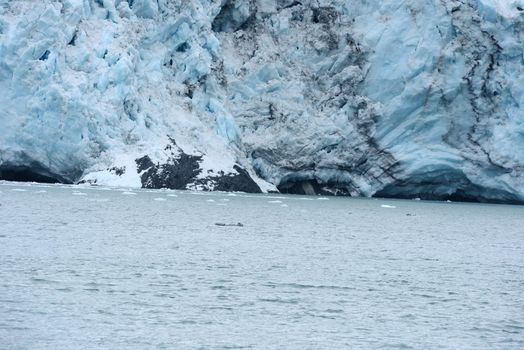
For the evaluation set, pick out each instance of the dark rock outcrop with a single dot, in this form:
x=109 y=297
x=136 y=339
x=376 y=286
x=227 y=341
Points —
x=182 y=170
x=234 y=182
x=177 y=173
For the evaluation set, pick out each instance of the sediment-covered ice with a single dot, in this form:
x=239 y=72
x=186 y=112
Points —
x=397 y=99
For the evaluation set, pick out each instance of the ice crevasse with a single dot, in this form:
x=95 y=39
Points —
x=356 y=97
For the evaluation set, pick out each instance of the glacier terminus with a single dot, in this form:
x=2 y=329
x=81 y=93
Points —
x=404 y=99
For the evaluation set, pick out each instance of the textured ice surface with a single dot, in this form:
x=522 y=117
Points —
x=405 y=99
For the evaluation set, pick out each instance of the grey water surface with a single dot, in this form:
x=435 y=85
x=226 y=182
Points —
x=99 y=268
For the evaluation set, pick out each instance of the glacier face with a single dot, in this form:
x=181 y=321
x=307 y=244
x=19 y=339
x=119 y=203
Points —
x=365 y=97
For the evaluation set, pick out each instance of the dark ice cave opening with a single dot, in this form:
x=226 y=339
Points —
x=460 y=192
x=312 y=187
x=307 y=187
x=29 y=174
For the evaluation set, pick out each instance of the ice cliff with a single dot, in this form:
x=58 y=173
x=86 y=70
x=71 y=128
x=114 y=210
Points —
x=414 y=98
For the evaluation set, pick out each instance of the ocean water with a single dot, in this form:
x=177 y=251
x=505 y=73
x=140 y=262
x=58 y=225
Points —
x=99 y=268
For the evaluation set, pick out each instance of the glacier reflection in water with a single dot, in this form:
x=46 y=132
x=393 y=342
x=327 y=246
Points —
x=86 y=267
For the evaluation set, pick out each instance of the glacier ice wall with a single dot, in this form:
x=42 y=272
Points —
x=402 y=99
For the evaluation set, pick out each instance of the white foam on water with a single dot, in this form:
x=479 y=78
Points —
x=159 y=199
x=100 y=200
x=129 y=193
x=274 y=201
x=387 y=206
x=18 y=190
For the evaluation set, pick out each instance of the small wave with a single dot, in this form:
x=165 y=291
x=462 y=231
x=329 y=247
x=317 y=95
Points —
x=279 y=300
x=42 y=280
x=308 y=286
